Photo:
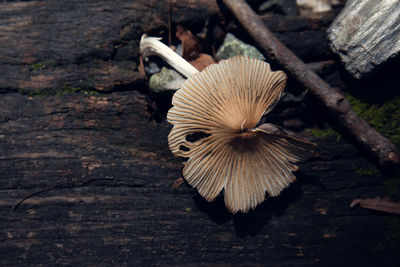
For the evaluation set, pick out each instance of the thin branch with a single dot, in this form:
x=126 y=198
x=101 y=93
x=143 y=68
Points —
x=50 y=187
x=379 y=146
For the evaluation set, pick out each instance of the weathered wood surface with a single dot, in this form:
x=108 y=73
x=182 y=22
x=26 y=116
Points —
x=50 y=45
x=45 y=45
x=305 y=36
x=107 y=159
x=115 y=204
x=365 y=35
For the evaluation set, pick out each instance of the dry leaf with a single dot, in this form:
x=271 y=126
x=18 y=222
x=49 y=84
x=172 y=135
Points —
x=191 y=48
x=190 y=44
x=380 y=204
x=141 y=67
x=202 y=61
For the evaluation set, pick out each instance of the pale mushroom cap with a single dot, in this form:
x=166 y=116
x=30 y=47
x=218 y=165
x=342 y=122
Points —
x=224 y=103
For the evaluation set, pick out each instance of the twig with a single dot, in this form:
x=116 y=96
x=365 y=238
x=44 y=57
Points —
x=50 y=187
x=47 y=188
x=379 y=146
x=169 y=23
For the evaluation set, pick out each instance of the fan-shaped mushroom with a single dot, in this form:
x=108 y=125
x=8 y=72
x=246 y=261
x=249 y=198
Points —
x=225 y=103
x=222 y=107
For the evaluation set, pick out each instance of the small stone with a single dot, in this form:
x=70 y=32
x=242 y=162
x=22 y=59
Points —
x=152 y=68
x=166 y=79
x=233 y=47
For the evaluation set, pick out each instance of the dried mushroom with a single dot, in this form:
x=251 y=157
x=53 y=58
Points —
x=216 y=125
x=215 y=118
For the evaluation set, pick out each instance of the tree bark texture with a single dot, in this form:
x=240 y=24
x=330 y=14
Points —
x=99 y=173
x=47 y=45
x=112 y=201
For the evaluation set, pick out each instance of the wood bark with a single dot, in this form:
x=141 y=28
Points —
x=103 y=172
x=48 y=45
x=380 y=147
x=115 y=205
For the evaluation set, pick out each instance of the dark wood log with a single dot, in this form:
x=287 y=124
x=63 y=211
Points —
x=305 y=36
x=98 y=75
x=103 y=173
x=114 y=203
x=45 y=45
x=377 y=145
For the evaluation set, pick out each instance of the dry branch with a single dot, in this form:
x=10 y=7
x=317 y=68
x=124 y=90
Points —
x=379 y=146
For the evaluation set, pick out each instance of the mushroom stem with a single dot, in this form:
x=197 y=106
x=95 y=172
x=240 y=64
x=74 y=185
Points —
x=150 y=46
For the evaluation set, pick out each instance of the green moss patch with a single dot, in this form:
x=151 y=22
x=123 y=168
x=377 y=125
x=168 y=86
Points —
x=58 y=92
x=327 y=131
x=38 y=66
x=367 y=171
x=384 y=117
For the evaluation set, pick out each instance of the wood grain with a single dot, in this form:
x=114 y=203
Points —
x=128 y=214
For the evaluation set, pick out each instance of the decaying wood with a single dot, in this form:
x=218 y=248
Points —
x=366 y=35
x=67 y=49
x=379 y=146
x=104 y=174
x=129 y=214
x=48 y=45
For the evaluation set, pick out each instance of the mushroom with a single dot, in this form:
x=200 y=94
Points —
x=152 y=46
x=216 y=125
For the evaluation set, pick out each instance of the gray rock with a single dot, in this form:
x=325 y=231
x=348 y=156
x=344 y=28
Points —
x=233 y=47
x=151 y=67
x=166 y=79
x=366 y=34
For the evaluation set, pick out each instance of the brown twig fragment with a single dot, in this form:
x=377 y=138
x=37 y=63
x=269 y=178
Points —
x=379 y=146
x=54 y=186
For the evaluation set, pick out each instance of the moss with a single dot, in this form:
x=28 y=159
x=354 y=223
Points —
x=70 y=90
x=188 y=210
x=367 y=171
x=58 y=92
x=384 y=117
x=38 y=66
x=327 y=131
x=33 y=92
